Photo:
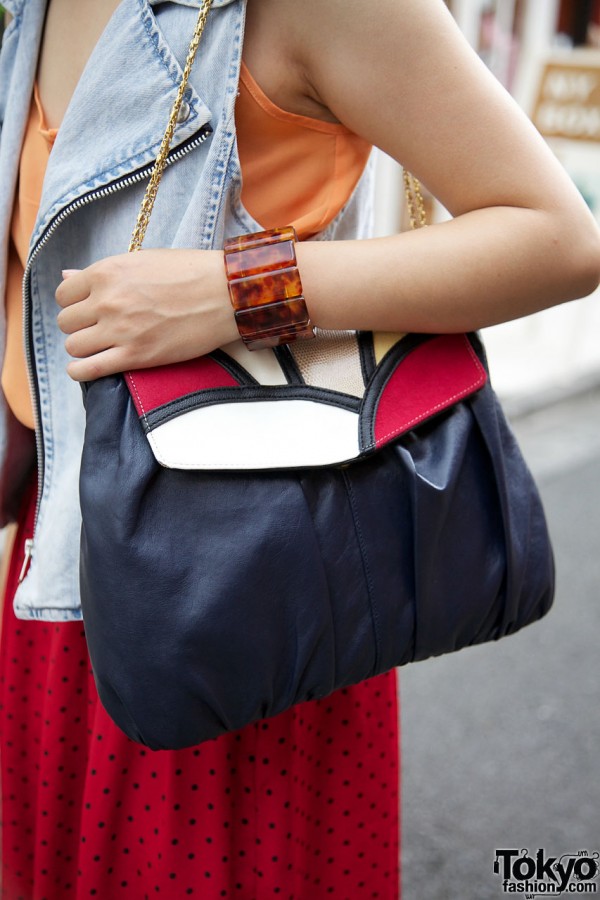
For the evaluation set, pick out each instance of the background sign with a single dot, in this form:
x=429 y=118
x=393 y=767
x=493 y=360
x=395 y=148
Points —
x=568 y=102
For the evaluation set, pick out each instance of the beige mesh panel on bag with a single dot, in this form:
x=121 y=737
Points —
x=331 y=360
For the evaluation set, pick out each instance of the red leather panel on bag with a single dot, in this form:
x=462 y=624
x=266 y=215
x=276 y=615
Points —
x=151 y=388
x=432 y=377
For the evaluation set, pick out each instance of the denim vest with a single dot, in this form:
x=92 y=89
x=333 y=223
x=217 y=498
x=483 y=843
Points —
x=93 y=187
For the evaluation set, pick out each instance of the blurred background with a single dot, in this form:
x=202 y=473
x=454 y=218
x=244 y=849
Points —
x=501 y=743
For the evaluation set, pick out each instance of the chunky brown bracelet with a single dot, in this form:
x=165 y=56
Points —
x=265 y=288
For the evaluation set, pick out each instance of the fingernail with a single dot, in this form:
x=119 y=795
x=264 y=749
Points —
x=66 y=273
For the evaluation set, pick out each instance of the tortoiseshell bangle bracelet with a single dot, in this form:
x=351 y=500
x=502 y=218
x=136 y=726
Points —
x=265 y=288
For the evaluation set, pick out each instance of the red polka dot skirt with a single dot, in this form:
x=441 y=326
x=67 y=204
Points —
x=304 y=805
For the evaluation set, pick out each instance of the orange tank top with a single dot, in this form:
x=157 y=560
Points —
x=37 y=145
x=296 y=171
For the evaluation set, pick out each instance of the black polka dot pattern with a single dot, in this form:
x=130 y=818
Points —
x=302 y=805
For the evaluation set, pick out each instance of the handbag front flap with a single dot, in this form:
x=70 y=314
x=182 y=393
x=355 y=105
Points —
x=322 y=402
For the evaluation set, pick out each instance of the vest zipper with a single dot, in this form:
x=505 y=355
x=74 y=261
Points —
x=85 y=200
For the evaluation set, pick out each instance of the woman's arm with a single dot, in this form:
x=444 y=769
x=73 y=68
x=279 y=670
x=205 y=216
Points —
x=400 y=74
x=522 y=238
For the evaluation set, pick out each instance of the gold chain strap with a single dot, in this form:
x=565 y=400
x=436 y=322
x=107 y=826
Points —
x=414 y=200
x=145 y=212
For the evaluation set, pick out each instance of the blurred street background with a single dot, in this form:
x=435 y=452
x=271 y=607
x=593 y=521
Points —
x=501 y=743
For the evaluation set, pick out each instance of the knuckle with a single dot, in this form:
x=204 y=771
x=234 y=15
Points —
x=95 y=370
x=71 y=345
x=101 y=269
x=73 y=372
x=84 y=371
x=109 y=302
x=60 y=295
x=62 y=323
x=110 y=269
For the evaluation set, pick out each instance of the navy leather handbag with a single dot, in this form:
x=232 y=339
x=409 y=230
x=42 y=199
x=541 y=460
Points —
x=250 y=545
x=212 y=599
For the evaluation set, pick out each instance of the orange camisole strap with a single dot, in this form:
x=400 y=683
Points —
x=296 y=171
x=37 y=144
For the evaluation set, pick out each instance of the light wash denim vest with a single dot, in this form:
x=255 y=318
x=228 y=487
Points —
x=93 y=187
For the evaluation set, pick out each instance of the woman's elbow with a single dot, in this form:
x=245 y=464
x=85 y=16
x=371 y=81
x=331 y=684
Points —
x=588 y=263
x=579 y=255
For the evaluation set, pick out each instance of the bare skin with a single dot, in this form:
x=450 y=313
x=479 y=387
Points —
x=76 y=24
x=522 y=238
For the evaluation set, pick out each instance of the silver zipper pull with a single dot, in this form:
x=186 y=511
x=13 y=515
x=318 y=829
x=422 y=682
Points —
x=27 y=559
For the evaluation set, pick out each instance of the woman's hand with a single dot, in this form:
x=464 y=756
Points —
x=144 y=309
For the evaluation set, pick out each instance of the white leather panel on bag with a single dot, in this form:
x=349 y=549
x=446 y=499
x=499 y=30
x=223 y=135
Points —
x=284 y=434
